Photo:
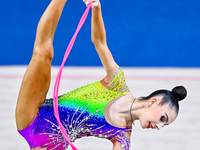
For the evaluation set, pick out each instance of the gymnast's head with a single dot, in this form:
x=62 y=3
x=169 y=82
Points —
x=162 y=107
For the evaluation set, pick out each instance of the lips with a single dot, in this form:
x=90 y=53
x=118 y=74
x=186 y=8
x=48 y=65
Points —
x=150 y=125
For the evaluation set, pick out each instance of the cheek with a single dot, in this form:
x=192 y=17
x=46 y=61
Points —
x=157 y=114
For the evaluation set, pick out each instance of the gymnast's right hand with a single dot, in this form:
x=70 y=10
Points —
x=95 y=2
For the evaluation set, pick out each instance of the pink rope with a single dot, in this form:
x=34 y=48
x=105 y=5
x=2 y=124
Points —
x=57 y=82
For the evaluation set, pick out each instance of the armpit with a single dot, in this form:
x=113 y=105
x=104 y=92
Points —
x=118 y=83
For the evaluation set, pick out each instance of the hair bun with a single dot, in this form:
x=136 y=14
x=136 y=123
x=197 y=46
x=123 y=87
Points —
x=179 y=92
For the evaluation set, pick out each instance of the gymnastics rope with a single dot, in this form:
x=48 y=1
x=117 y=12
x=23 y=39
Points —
x=57 y=82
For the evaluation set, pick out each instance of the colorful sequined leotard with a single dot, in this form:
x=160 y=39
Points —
x=82 y=114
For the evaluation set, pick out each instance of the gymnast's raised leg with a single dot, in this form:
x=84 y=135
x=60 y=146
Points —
x=36 y=81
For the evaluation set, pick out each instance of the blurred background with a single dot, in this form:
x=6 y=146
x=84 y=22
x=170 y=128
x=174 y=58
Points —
x=155 y=42
x=139 y=32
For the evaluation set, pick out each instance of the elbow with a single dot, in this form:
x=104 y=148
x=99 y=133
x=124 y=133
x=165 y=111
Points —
x=98 y=40
x=95 y=41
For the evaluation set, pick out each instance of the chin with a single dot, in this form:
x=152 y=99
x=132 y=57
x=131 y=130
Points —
x=143 y=126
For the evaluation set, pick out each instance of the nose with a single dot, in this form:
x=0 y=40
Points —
x=159 y=126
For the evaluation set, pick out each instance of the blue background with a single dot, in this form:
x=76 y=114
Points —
x=139 y=32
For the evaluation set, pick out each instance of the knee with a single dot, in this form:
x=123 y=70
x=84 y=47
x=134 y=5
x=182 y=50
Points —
x=43 y=52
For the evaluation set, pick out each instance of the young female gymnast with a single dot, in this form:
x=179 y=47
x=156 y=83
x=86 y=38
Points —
x=104 y=109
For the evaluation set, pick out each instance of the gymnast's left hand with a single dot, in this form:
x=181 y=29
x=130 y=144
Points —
x=95 y=2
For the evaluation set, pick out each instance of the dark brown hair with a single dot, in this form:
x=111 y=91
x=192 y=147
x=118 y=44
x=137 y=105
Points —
x=177 y=94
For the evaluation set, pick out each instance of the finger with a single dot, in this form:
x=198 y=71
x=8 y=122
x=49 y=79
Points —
x=87 y=2
x=95 y=4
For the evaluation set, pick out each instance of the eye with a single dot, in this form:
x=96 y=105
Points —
x=162 y=118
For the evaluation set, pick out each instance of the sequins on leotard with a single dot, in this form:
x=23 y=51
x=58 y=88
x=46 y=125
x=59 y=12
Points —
x=82 y=114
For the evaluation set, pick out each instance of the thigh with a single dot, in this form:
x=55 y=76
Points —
x=34 y=88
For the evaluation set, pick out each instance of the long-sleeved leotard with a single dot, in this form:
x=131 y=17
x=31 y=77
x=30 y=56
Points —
x=82 y=114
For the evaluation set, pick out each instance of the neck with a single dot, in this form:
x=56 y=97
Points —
x=137 y=108
x=120 y=110
x=131 y=111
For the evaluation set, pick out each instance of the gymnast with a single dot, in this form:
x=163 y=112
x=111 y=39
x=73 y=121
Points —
x=103 y=109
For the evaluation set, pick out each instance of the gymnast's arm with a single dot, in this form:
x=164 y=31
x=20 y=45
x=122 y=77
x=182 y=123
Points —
x=121 y=146
x=99 y=40
x=116 y=146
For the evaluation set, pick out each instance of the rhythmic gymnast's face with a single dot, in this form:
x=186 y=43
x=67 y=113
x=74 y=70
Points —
x=157 y=116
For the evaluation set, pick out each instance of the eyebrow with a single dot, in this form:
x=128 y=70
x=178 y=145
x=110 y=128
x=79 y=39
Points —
x=167 y=117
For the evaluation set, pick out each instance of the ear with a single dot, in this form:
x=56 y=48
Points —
x=152 y=101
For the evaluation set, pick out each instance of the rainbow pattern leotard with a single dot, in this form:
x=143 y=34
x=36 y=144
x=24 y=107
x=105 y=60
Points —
x=82 y=114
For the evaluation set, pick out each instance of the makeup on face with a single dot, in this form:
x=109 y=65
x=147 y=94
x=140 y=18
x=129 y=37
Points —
x=163 y=120
x=159 y=116
x=150 y=125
